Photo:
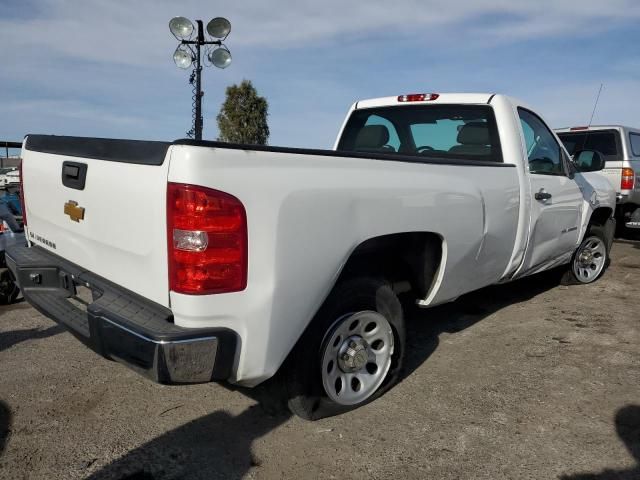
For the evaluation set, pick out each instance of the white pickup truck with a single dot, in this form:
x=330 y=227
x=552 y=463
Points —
x=195 y=261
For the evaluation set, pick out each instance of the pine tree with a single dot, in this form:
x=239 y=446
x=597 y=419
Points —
x=243 y=116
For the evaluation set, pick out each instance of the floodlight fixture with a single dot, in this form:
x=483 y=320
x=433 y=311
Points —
x=219 y=27
x=220 y=57
x=181 y=27
x=185 y=56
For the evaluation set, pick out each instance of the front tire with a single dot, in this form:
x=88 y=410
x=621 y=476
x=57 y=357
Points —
x=591 y=258
x=351 y=353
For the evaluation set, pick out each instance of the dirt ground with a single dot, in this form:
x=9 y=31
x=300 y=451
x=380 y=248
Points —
x=528 y=380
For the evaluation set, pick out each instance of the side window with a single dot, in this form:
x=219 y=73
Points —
x=635 y=144
x=544 y=153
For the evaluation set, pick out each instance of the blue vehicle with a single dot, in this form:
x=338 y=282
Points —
x=11 y=213
x=12 y=201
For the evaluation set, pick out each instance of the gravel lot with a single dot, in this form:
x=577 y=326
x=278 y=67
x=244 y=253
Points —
x=526 y=380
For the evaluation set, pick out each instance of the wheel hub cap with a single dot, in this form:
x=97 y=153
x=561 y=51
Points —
x=353 y=356
x=586 y=258
x=590 y=260
x=356 y=356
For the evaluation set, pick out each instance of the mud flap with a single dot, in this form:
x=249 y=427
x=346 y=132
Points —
x=609 y=231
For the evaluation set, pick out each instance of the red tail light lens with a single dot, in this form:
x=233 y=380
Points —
x=627 y=179
x=22 y=205
x=207 y=240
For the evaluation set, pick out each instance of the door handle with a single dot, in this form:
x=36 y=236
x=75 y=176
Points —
x=74 y=175
x=71 y=171
x=542 y=195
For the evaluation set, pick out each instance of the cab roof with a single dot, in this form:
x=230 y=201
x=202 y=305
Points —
x=442 y=98
x=578 y=129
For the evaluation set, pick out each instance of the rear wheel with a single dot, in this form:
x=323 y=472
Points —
x=351 y=353
x=8 y=289
x=590 y=260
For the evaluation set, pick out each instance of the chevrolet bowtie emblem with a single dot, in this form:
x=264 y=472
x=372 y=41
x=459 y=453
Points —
x=75 y=212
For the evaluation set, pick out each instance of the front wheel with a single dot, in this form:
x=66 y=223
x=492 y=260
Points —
x=590 y=260
x=351 y=353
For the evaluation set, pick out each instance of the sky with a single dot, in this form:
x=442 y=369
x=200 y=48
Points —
x=104 y=68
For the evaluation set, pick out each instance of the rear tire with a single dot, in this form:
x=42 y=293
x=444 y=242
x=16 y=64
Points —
x=8 y=289
x=590 y=260
x=351 y=353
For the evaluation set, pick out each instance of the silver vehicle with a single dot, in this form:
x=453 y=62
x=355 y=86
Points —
x=620 y=147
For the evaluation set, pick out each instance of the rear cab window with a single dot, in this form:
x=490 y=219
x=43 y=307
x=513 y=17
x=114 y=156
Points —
x=466 y=132
x=607 y=142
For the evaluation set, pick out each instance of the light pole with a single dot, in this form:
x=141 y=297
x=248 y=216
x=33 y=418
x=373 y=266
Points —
x=185 y=55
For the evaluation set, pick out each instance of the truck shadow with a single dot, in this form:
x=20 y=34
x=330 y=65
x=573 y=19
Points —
x=628 y=428
x=424 y=326
x=217 y=445
x=634 y=242
x=13 y=337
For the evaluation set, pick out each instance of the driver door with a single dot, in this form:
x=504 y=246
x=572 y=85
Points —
x=557 y=200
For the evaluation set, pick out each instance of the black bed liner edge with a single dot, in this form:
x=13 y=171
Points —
x=153 y=152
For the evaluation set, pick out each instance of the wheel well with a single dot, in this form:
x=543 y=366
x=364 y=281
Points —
x=600 y=216
x=408 y=260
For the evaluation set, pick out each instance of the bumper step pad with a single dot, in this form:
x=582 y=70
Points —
x=120 y=324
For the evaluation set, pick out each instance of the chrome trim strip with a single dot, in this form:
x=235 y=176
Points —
x=157 y=342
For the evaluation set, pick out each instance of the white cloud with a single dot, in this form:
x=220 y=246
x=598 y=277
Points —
x=571 y=104
x=103 y=67
x=136 y=32
x=71 y=109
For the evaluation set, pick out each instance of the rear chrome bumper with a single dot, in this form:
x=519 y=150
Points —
x=120 y=324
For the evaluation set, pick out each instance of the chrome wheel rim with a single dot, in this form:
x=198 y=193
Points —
x=589 y=259
x=356 y=357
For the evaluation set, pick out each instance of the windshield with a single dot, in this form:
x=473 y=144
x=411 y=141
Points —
x=442 y=131
x=607 y=142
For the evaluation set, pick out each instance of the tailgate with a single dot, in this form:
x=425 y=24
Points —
x=101 y=204
x=613 y=172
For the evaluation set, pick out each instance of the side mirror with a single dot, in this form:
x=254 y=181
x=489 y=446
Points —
x=588 y=161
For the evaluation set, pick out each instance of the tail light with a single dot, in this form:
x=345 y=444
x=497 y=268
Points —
x=207 y=240
x=22 y=204
x=627 y=179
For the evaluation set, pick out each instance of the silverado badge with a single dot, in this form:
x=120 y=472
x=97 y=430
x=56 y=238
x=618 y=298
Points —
x=75 y=212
